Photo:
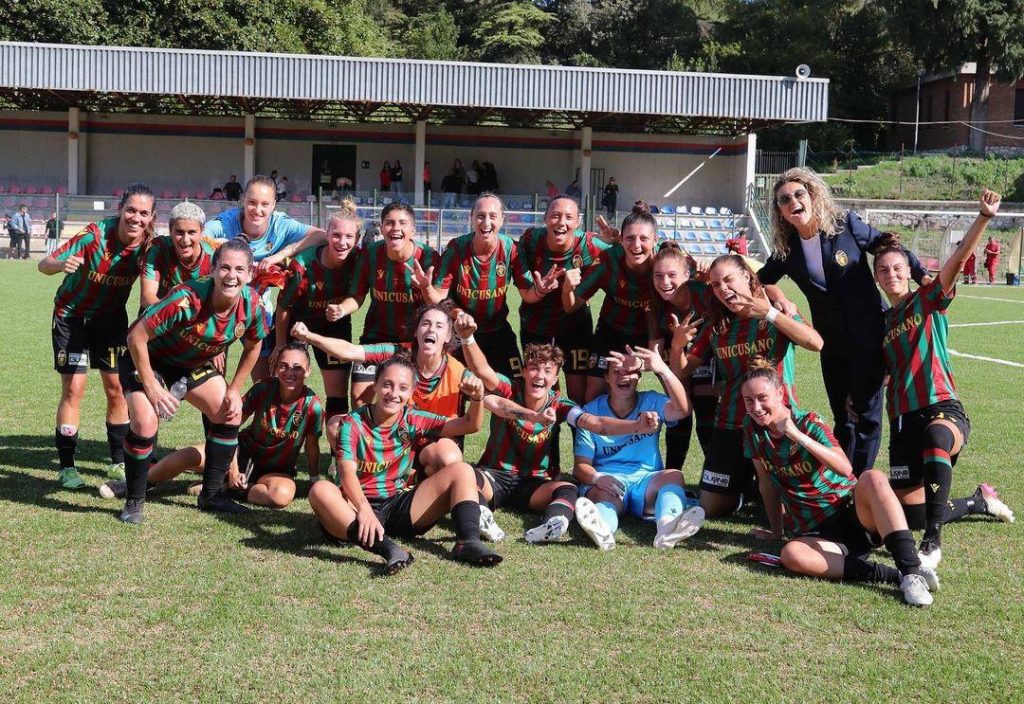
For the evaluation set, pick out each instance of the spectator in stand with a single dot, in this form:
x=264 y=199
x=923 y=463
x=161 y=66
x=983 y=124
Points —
x=573 y=190
x=217 y=194
x=20 y=227
x=991 y=258
x=552 y=189
x=325 y=176
x=385 y=176
x=488 y=181
x=610 y=197
x=273 y=175
x=740 y=244
x=428 y=184
x=52 y=233
x=282 y=189
x=233 y=189
x=396 y=177
x=473 y=179
x=450 y=187
x=970 y=271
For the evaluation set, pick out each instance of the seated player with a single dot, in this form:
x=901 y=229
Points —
x=809 y=491
x=619 y=474
x=372 y=502
x=177 y=340
x=181 y=256
x=514 y=468
x=438 y=374
x=286 y=417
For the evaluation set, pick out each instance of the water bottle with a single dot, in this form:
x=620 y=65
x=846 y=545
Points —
x=178 y=390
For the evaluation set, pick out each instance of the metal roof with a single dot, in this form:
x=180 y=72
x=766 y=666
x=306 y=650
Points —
x=121 y=79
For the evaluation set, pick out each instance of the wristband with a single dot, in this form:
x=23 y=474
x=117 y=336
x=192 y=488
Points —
x=982 y=215
x=772 y=314
x=466 y=341
x=573 y=416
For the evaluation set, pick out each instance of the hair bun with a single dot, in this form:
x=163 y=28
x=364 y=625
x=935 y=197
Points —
x=759 y=362
x=641 y=207
x=885 y=241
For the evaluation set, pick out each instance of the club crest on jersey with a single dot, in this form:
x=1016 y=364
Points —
x=297 y=417
x=577 y=261
x=762 y=324
x=403 y=435
x=841 y=258
x=239 y=329
x=500 y=270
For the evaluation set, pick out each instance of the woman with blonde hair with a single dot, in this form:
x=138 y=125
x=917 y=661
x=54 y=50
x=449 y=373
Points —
x=824 y=251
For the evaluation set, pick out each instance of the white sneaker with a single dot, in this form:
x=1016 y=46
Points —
x=1000 y=510
x=552 y=529
x=915 y=590
x=593 y=524
x=930 y=559
x=931 y=578
x=489 y=528
x=674 y=530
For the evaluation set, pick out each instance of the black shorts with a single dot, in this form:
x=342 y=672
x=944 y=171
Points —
x=845 y=528
x=726 y=470
x=247 y=464
x=511 y=490
x=97 y=342
x=608 y=339
x=574 y=337
x=364 y=371
x=501 y=348
x=395 y=514
x=340 y=329
x=165 y=374
x=906 y=466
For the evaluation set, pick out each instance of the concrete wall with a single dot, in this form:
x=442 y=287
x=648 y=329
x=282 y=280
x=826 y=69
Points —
x=176 y=153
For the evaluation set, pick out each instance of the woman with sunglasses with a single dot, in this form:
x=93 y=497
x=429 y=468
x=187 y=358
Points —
x=824 y=251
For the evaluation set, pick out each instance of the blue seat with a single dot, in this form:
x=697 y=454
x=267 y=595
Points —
x=705 y=236
x=668 y=210
x=721 y=236
x=693 y=249
x=691 y=236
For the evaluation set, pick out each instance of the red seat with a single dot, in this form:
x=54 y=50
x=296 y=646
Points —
x=183 y=195
x=118 y=192
x=62 y=190
x=46 y=190
x=166 y=195
x=30 y=190
x=201 y=195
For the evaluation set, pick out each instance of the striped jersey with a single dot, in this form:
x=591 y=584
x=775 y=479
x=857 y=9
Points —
x=811 y=492
x=628 y=294
x=700 y=306
x=278 y=430
x=744 y=339
x=104 y=281
x=311 y=287
x=384 y=453
x=439 y=393
x=160 y=263
x=544 y=317
x=480 y=287
x=916 y=355
x=521 y=447
x=187 y=332
x=393 y=296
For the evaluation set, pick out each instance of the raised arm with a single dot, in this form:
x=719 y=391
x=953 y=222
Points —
x=800 y=333
x=988 y=207
x=678 y=406
x=465 y=326
x=542 y=285
x=314 y=237
x=473 y=389
x=335 y=347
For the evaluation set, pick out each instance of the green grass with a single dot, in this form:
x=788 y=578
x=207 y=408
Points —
x=930 y=178
x=193 y=607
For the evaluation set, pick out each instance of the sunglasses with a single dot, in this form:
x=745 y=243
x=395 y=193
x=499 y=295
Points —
x=785 y=198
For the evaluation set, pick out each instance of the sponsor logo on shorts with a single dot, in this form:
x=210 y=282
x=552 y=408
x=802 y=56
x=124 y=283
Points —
x=598 y=362
x=715 y=478
x=899 y=472
x=363 y=368
x=77 y=359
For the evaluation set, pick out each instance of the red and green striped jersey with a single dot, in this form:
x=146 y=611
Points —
x=744 y=339
x=187 y=332
x=439 y=393
x=811 y=492
x=311 y=287
x=521 y=447
x=384 y=453
x=628 y=294
x=104 y=281
x=916 y=334
x=393 y=297
x=161 y=264
x=278 y=430
x=544 y=317
x=700 y=306
x=478 y=286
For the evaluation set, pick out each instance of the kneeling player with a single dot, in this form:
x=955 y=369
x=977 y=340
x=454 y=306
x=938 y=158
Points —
x=514 y=465
x=175 y=342
x=809 y=490
x=372 y=501
x=286 y=416
x=626 y=474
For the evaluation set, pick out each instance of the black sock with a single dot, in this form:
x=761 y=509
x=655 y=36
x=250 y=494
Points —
x=938 y=478
x=466 y=515
x=221 y=444
x=385 y=547
x=563 y=503
x=900 y=544
x=116 y=433
x=677 y=443
x=914 y=514
x=857 y=569
x=137 y=450
x=66 y=444
x=335 y=405
x=555 y=450
x=705 y=407
x=958 y=508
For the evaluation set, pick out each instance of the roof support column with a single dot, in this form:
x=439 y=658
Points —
x=249 y=166
x=751 y=165
x=77 y=154
x=420 y=161
x=585 y=150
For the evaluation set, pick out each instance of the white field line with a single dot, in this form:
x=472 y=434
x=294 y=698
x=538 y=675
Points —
x=989 y=298
x=986 y=359
x=981 y=325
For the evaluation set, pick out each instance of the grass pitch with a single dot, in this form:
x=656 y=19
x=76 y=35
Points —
x=194 y=607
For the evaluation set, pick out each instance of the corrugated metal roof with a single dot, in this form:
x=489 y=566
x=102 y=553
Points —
x=140 y=71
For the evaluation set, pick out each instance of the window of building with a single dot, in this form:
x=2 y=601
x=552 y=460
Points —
x=1018 y=108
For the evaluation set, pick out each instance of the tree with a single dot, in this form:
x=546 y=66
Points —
x=987 y=32
x=510 y=32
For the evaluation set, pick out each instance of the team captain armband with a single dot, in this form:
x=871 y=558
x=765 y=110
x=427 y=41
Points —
x=573 y=416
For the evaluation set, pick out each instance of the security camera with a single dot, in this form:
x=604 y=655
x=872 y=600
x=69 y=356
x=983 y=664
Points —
x=803 y=71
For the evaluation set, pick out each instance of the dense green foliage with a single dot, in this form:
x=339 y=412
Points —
x=930 y=178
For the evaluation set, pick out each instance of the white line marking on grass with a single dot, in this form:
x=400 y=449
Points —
x=986 y=359
x=981 y=325
x=990 y=298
